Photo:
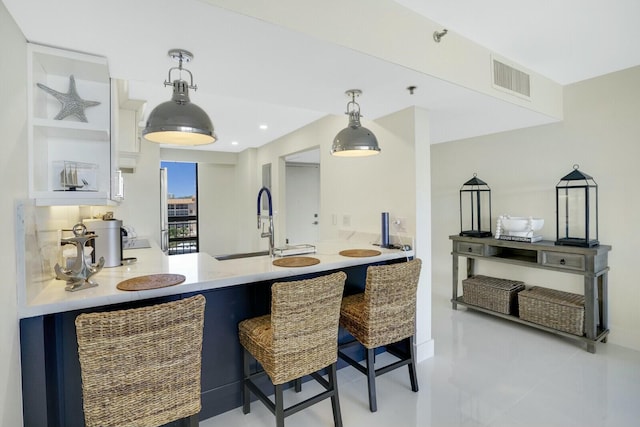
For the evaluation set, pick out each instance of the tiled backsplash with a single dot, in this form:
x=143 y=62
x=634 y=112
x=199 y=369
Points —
x=38 y=234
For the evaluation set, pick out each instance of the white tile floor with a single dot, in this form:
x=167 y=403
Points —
x=486 y=372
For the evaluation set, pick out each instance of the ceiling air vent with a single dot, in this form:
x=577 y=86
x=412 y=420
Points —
x=511 y=79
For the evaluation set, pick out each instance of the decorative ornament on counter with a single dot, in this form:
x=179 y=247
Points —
x=79 y=275
x=72 y=104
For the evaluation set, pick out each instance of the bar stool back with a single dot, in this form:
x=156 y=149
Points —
x=381 y=316
x=298 y=338
x=141 y=367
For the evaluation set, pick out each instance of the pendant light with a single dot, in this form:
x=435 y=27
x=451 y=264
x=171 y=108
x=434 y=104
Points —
x=179 y=121
x=354 y=140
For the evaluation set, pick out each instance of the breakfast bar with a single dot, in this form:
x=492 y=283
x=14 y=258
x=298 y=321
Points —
x=235 y=289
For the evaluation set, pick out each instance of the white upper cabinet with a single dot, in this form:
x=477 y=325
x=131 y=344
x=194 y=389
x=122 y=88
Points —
x=71 y=161
x=129 y=114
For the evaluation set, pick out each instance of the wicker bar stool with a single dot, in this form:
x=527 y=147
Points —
x=381 y=316
x=141 y=367
x=298 y=338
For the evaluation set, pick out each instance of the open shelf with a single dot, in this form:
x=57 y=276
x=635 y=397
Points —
x=601 y=335
x=67 y=129
x=516 y=254
x=73 y=198
x=51 y=141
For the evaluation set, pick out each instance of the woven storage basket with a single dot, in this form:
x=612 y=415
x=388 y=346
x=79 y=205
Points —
x=492 y=293
x=555 y=309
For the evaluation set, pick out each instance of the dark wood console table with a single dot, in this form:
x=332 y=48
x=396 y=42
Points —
x=591 y=263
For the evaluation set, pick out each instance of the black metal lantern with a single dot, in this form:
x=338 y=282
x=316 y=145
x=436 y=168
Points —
x=475 y=208
x=577 y=210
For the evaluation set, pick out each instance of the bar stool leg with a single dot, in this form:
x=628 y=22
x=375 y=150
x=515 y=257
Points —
x=246 y=398
x=371 y=379
x=335 y=400
x=279 y=406
x=412 y=366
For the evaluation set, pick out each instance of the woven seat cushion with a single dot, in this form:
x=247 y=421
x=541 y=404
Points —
x=300 y=336
x=256 y=336
x=352 y=314
x=385 y=312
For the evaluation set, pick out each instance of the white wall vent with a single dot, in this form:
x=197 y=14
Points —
x=511 y=79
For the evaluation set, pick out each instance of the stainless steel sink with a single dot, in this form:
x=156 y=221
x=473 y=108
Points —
x=240 y=255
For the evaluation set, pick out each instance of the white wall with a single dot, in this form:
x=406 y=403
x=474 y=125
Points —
x=13 y=144
x=217 y=208
x=367 y=186
x=413 y=125
x=359 y=188
x=601 y=133
x=216 y=186
x=141 y=206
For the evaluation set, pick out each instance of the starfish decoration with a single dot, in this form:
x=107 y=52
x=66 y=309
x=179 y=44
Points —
x=72 y=104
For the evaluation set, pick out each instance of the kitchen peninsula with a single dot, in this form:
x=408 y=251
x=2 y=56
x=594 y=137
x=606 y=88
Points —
x=235 y=289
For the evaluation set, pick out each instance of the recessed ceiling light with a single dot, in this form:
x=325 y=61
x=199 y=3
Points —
x=263 y=126
x=234 y=142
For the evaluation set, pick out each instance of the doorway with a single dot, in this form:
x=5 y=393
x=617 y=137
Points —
x=302 y=178
x=180 y=221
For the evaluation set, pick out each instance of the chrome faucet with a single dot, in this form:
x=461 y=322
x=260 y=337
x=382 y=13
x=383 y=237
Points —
x=270 y=233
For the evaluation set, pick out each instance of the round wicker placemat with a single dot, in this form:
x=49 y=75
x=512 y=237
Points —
x=360 y=252
x=152 y=281
x=296 y=261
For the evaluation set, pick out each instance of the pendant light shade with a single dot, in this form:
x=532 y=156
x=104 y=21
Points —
x=354 y=140
x=179 y=121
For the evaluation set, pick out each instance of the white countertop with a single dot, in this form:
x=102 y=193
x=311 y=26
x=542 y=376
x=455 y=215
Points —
x=202 y=272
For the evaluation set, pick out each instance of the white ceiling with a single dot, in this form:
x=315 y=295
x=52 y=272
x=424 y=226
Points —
x=250 y=72
x=564 y=40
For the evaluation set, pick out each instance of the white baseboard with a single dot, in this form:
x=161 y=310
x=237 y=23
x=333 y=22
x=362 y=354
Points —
x=425 y=350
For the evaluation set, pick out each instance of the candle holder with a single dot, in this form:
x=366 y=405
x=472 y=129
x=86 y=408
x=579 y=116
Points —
x=577 y=210
x=475 y=208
